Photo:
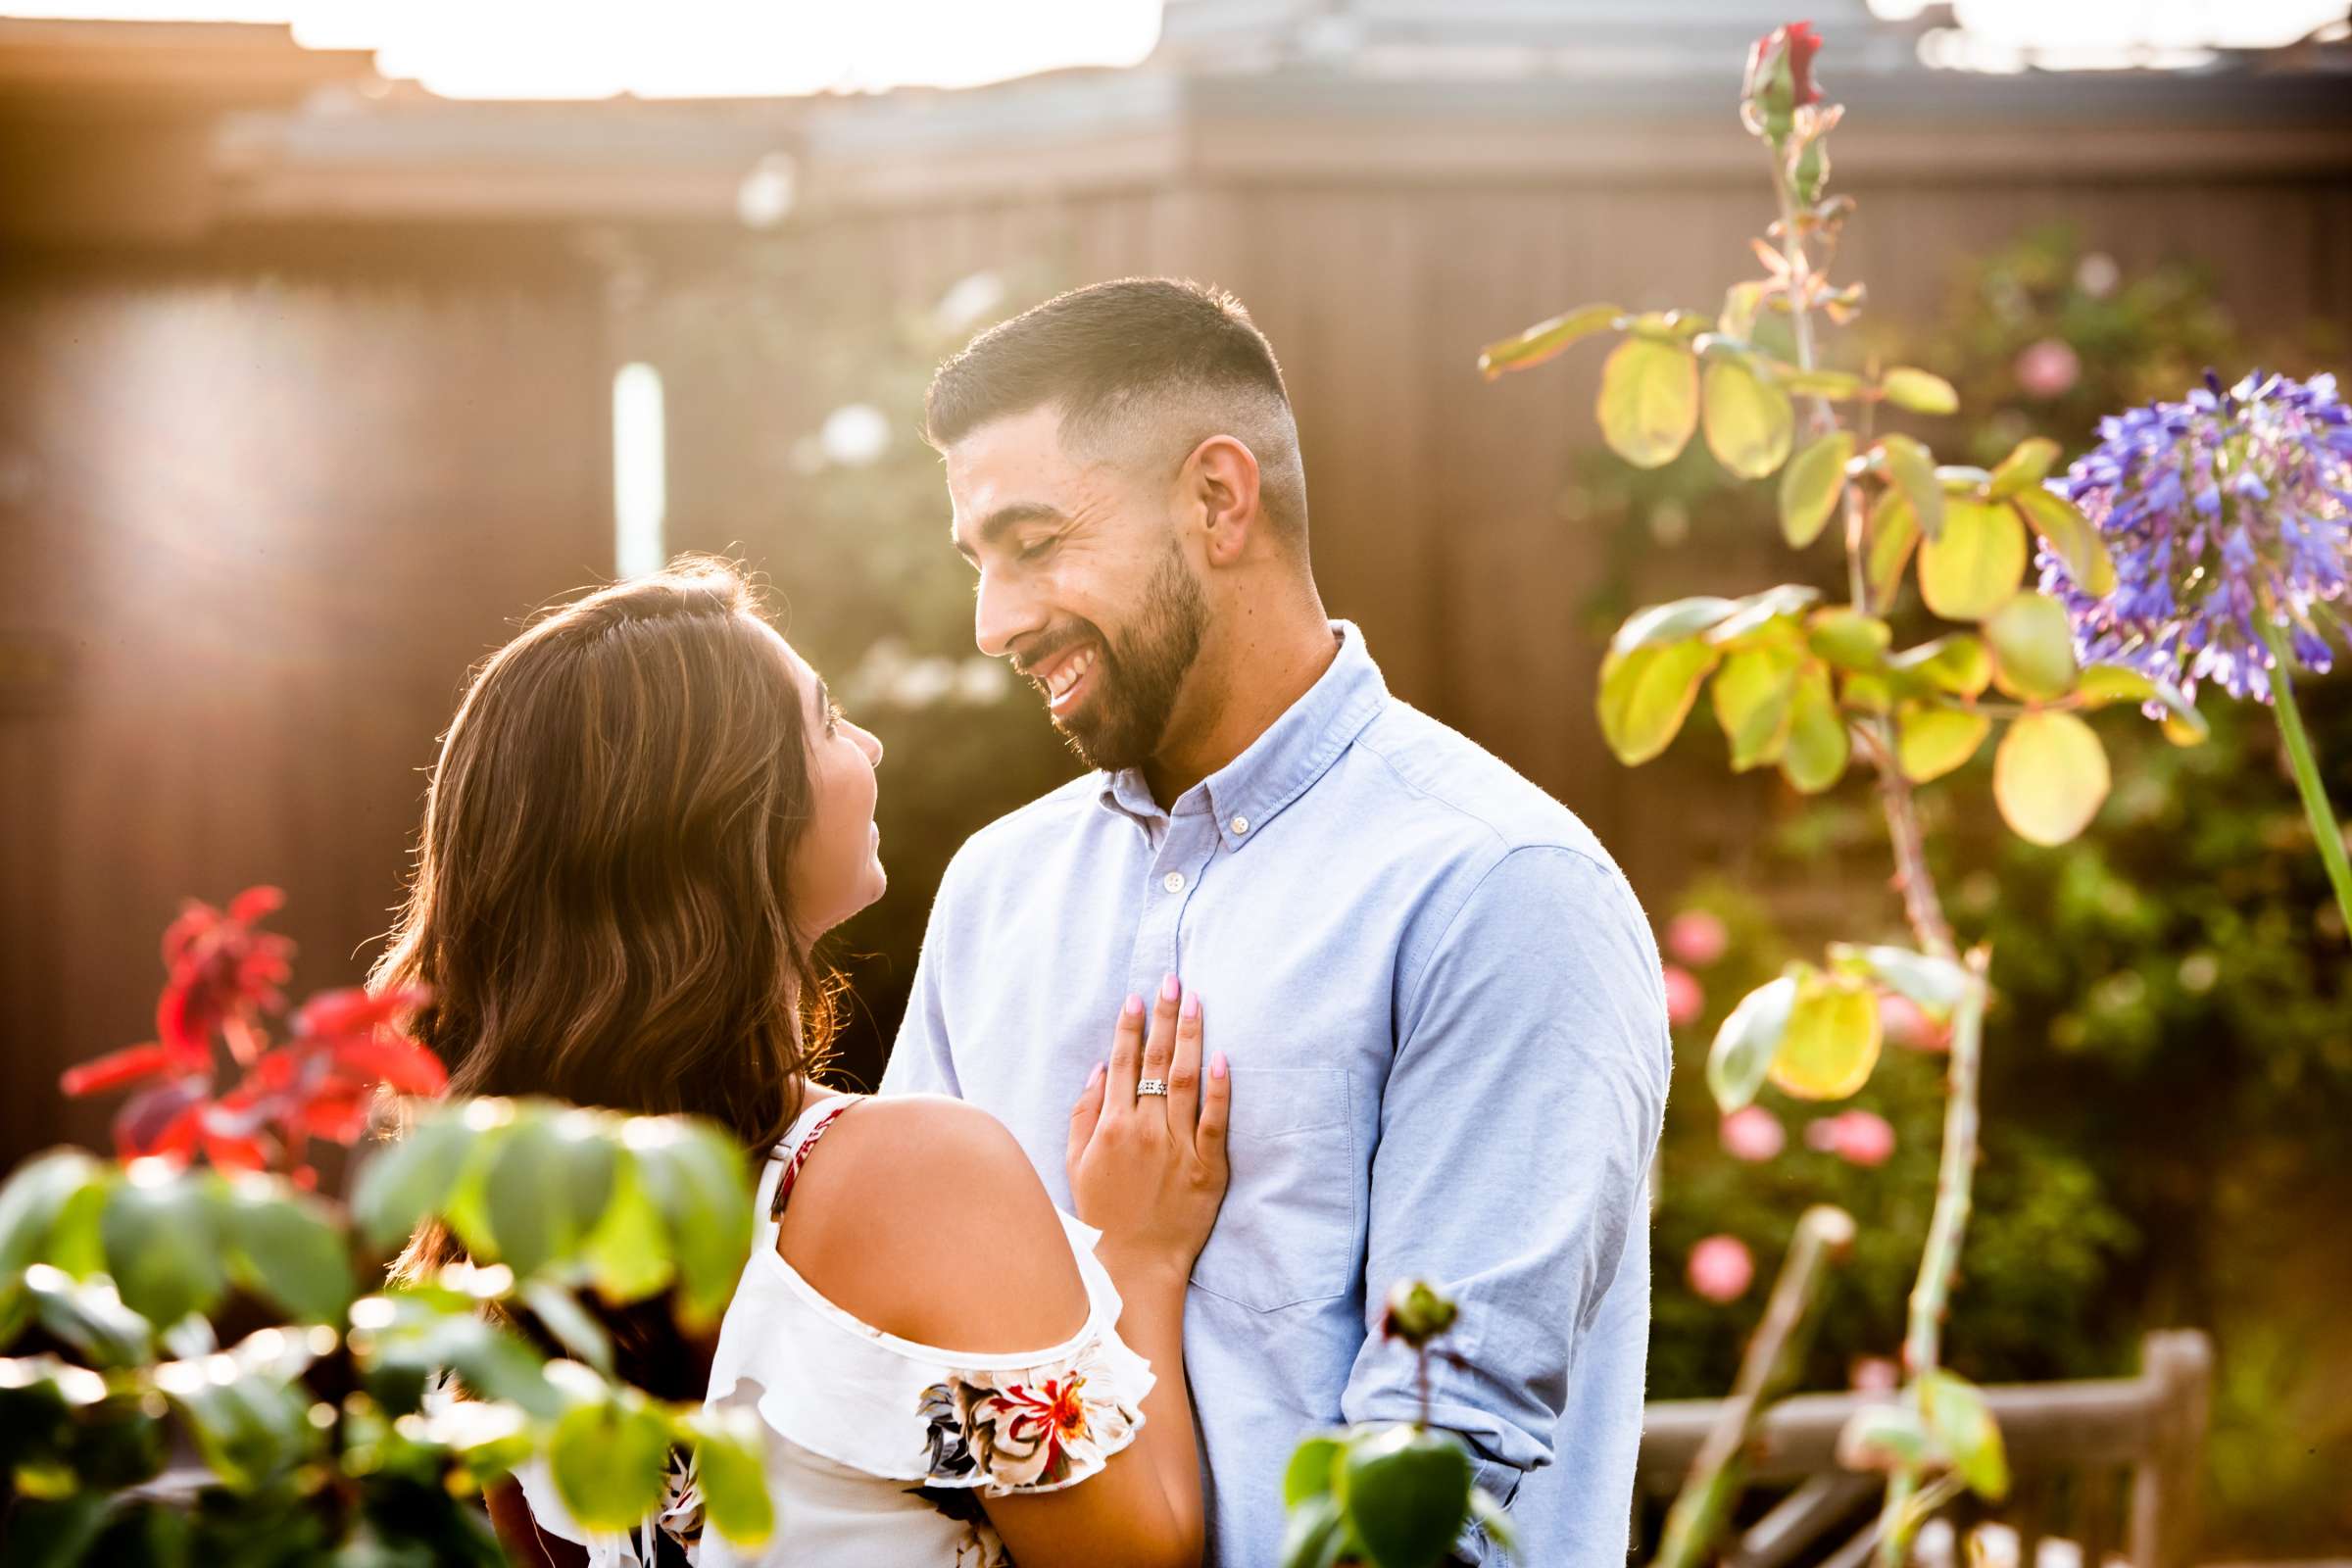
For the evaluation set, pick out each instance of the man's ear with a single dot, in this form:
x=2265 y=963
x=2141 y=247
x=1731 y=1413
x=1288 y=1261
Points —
x=1222 y=474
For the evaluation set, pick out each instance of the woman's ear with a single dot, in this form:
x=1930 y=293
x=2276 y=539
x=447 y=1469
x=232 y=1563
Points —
x=1223 y=474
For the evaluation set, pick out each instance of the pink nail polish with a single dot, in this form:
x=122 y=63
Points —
x=1171 y=989
x=1191 y=1005
x=1095 y=1076
x=1217 y=1065
x=1135 y=1004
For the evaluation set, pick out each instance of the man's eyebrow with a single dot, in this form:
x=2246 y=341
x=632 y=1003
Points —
x=997 y=523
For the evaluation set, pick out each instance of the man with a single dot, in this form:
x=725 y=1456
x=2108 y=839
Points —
x=1440 y=1002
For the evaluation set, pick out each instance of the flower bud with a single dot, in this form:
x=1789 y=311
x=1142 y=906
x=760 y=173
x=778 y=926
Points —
x=1415 y=1313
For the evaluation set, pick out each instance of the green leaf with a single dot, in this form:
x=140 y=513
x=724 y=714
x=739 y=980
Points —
x=1749 y=424
x=1893 y=534
x=404 y=1182
x=1930 y=741
x=1669 y=622
x=609 y=1459
x=1836 y=385
x=2102 y=684
x=288 y=1248
x=1648 y=401
x=1545 y=339
x=1957 y=663
x=1847 y=638
x=2032 y=647
x=1405 y=1495
x=1866 y=692
x=572 y=1326
x=730 y=1464
x=1314 y=1536
x=2027 y=463
x=1972 y=567
x=1831 y=1041
x=698 y=1181
x=1884 y=1438
x=628 y=1252
x=1648 y=693
x=250 y=1429
x=89 y=1316
x=1937 y=984
x=545 y=1188
x=1758 y=611
x=2049 y=777
x=1741 y=303
x=58 y=1532
x=1493 y=1521
x=2070 y=537
x=1313 y=1469
x=162 y=1233
x=1961 y=479
x=1751 y=696
x=34 y=1199
x=1746 y=1041
x=1818 y=747
x=1811 y=484
x=1668 y=326
x=1921 y=391
x=1911 y=468
x=1956 y=1415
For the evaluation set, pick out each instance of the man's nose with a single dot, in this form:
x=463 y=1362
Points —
x=1001 y=615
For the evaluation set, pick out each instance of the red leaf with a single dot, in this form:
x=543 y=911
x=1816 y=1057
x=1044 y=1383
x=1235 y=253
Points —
x=355 y=1011
x=339 y=1118
x=164 y=1120
x=1803 y=44
x=233 y=1153
x=126 y=1066
x=254 y=903
x=396 y=1063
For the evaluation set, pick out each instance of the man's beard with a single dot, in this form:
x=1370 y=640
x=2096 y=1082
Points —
x=1135 y=680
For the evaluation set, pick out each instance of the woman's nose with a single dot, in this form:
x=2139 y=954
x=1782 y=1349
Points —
x=869 y=743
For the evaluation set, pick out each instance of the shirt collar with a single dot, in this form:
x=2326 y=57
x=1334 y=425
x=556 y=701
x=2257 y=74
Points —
x=1279 y=766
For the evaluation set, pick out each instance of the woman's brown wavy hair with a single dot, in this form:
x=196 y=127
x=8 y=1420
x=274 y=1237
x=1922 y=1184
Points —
x=601 y=905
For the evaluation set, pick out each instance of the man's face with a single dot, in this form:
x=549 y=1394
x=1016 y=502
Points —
x=1083 y=582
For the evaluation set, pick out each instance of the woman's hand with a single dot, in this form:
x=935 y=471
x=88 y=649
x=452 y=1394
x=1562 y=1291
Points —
x=1149 y=1171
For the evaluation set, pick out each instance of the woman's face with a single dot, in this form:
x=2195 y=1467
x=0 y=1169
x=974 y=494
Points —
x=836 y=866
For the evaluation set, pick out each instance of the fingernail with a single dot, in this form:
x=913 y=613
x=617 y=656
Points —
x=1095 y=1076
x=1135 y=1004
x=1191 y=1005
x=1217 y=1065
x=1169 y=989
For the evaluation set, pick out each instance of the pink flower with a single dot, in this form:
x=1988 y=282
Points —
x=1721 y=1269
x=2048 y=369
x=1752 y=1133
x=1697 y=938
x=1906 y=1024
x=1857 y=1137
x=1685 y=999
x=1875 y=1374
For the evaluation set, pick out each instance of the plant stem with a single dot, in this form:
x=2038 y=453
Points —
x=1705 y=1503
x=1940 y=1260
x=2305 y=765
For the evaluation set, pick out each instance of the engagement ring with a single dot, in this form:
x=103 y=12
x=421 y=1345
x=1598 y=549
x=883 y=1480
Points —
x=1151 y=1086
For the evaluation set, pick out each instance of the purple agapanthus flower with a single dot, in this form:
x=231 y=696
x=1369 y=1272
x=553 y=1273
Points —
x=2227 y=507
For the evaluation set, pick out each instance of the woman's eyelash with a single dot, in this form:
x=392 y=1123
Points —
x=1037 y=550
x=833 y=716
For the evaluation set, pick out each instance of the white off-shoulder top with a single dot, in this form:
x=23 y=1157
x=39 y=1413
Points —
x=879 y=1449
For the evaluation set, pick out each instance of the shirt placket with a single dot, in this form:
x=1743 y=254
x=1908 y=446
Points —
x=1185 y=850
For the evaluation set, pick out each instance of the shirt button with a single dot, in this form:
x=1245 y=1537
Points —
x=1241 y=824
x=1173 y=881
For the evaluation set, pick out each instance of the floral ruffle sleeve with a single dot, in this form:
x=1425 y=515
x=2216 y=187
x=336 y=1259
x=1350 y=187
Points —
x=1037 y=1430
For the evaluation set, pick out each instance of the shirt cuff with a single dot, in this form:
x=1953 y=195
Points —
x=1501 y=1483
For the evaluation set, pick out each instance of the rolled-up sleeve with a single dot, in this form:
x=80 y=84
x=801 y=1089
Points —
x=1516 y=1133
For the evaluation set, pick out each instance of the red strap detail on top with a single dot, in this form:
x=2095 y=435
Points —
x=800 y=1156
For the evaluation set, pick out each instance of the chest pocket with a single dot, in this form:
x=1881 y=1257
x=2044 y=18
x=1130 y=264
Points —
x=1287 y=1233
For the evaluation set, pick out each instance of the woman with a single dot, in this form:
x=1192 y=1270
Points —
x=645 y=815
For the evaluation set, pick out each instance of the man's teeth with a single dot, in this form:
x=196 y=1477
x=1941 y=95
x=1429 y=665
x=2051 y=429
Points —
x=1067 y=675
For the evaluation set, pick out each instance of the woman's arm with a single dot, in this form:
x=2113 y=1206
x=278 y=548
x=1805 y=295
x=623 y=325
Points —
x=527 y=1544
x=923 y=1217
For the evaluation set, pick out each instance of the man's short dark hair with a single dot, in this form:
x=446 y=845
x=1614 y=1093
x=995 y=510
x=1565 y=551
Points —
x=1155 y=359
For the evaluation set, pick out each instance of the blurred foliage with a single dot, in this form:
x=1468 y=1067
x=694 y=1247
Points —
x=2168 y=1063
x=850 y=525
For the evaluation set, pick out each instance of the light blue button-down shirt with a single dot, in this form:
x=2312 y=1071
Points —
x=1447 y=1035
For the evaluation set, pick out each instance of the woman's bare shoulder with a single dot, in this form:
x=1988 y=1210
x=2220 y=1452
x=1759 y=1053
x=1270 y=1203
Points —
x=921 y=1215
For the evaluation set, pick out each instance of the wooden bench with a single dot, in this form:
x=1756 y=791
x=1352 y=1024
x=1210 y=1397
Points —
x=2114 y=1462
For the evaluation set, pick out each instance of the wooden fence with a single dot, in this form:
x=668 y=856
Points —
x=2104 y=1464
